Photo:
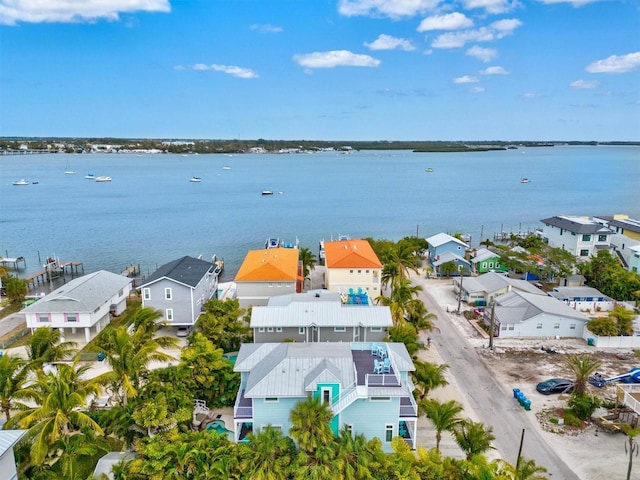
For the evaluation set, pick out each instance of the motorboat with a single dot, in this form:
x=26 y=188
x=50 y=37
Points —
x=226 y=167
x=195 y=179
x=524 y=180
x=68 y=171
x=103 y=179
x=428 y=170
x=21 y=182
x=267 y=192
x=90 y=176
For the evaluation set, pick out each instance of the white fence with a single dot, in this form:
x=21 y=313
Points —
x=611 y=342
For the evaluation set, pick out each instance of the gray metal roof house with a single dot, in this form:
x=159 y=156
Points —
x=8 y=439
x=180 y=288
x=580 y=236
x=479 y=291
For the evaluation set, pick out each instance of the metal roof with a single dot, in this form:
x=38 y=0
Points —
x=491 y=282
x=321 y=314
x=82 y=295
x=186 y=270
x=442 y=238
x=573 y=292
x=515 y=307
x=319 y=295
x=580 y=225
x=8 y=438
x=483 y=254
x=450 y=257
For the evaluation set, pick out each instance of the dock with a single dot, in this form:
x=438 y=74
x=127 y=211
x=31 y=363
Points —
x=14 y=262
x=53 y=270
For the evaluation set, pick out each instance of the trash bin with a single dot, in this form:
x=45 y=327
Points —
x=590 y=342
x=101 y=356
x=516 y=391
x=527 y=404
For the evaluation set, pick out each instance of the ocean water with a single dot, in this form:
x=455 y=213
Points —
x=151 y=214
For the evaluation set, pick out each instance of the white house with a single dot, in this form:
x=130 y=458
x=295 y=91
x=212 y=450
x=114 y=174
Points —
x=8 y=438
x=526 y=315
x=479 y=291
x=579 y=236
x=583 y=298
x=84 y=302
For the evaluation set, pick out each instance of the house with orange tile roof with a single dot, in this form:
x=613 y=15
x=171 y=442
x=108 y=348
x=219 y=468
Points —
x=352 y=266
x=266 y=273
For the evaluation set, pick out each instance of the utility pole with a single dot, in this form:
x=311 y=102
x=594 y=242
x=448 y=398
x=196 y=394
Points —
x=460 y=290
x=519 y=452
x=493 y=312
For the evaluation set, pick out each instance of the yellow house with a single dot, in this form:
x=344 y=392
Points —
x=352 y=264
x=266 y=273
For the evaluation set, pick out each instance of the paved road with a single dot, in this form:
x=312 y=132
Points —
x=492 y=403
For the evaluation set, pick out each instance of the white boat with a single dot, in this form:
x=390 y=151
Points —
x=103 y=179
x=21 y=182
x=90 y=176
x=226 y=167
x=267 y=192
x=195 y=179
x=68 y=171
x=524 y=180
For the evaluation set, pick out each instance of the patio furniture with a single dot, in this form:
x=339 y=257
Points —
x=374 y=349
x=386 y=366
x=377 y=366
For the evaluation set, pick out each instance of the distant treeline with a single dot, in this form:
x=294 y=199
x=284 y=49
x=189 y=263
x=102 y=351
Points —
x=80 y=145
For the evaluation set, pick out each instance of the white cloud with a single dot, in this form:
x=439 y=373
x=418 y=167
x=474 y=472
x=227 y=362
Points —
x=575 y=3
x=491 y=6
x=62 y=11
x=494 y=71
x=482 y=54
x=239 y=72
x=466 y=79
x=616 y=64
x=450 y=21
x=387 y=42
x=335 y=58
x=385 y=8
x=476 y=89
x=584 y=84
x=495 y=31
x=266 y=28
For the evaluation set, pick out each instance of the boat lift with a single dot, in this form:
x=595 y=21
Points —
x=632 y=376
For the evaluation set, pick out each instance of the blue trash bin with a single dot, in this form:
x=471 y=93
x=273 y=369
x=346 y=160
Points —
x=101 y=356
x=516 y=391
x=527 y=405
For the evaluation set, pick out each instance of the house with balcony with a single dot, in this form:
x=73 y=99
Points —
x=320 y=316
x=352 y=266
x=527 y=315
x=480 y=291
x=87 y=302
x=8 y=439
x=634 y=259
x=267 y=273
x=180 y=288
x=579 y=236
x=367 y=385
x=444 y=248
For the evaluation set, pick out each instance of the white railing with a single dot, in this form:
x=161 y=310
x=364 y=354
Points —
x=347 y=398
x=628 y=399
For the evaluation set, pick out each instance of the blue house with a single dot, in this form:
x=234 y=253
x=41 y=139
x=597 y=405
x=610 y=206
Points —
x=367 y=385
x=444 y=248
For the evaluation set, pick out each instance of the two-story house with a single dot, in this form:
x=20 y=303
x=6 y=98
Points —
x=351 y=266
x=266 y=273
x=367 y=385
x=320 y=316
x=180 y=288
x=634 y=259
x=83 y=303
x=625 y=239
x=579 y=236
x=444 y=248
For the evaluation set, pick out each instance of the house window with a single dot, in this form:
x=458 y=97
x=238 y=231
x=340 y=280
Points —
x=167 y=294
x=72 y=317
x=388 y=432
x=261 y=330
x=350 y=271
x=270 y=285
x=120 y=292
x=271 y=400
x=326 y=395
x=376 y=329
x=278 y=329
x=380 y=399
x=490 y=264
x=146 y=293
x=586 y=238
x=43 y=317
x=572 y=326
x=512 y=326
x=503 y=327
x=602 y=238
x=366 y=271
x=484 y=264
x=584 y=253
x=556 y=325
x=300 y=330
x=539 y=326
x=339 y=329
x=169 y=314
x=270 y=329
x=359 y=271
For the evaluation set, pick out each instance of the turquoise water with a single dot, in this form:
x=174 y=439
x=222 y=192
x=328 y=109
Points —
x=150 y=213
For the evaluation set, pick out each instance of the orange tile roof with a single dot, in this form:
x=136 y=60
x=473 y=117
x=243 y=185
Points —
x=350 y=254
x=269 y=265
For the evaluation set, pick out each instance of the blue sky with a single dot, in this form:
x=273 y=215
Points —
x=321 y=69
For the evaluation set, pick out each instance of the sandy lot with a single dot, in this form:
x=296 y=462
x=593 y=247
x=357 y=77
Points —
x=592 y=454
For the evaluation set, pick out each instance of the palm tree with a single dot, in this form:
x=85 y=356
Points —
x=428 y=376
x=308 y=260
x=402 y=302
x=398 y=263
x=13 y=377
x=632 y=444
x=59 y=412
x=473 y=437
x=354 y=456
x=310 y=424
x=525 y=470
x=443 y=415
x=129 y=356
x=267 y=456
x=46 y=346
x=582 y=367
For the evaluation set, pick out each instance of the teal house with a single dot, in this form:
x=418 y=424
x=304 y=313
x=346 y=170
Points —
x=484 y=260
x=367 y=385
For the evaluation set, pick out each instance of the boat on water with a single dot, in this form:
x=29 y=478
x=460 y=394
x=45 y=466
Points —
x=267 y=192
x=195 y=179
x=68 y=171
x=90 y=176
x=103 y=179
x=226 y=167
x=524 y=180
x=20 y=182
x=428 y=170
x=277 y=243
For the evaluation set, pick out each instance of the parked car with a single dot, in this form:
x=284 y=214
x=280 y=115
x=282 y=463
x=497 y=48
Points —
x=555 y=385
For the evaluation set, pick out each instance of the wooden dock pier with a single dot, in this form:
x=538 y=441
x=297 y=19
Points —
x=15 y=262
x=53 y=270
